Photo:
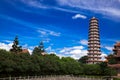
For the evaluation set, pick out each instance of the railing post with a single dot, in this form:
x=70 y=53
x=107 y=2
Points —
x=9 y=77
x=15 y=78
x=19 y=77
x=28 y=77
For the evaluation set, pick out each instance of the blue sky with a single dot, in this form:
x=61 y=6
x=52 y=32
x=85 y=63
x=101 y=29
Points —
x=61 y=24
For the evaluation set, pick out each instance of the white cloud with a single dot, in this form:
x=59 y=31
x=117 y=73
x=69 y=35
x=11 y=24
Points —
x=77 y=47
x=79 y=16
x=103 y=55
x=75 y=51
x=60 y=55
x=66 y=10
x=108 y=48
x=5 y=46
x=54 y=33
x=105 y=7
x=34 y=3
x=84 y=42
x=45 y=32
x=46 y=40
x=78 y=53
x=49 y=49
x=42 y=32
x=7 y=41
x=30 y=51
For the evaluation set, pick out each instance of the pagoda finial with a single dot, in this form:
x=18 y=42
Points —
x=93 y=17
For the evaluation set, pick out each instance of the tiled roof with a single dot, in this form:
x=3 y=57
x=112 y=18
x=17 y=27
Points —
x=117 y=44
x=25 y=51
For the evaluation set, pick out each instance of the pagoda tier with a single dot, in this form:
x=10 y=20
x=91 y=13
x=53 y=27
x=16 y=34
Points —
x=94 y=53
x=95 y=61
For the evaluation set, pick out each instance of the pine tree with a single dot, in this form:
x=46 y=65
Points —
x=15 y=47
x=39 y=49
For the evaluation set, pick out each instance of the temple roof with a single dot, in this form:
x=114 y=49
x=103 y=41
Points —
x=25 y=51
x=106 y=61
x=117 y=44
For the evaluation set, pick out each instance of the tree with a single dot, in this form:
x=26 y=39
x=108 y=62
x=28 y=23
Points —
x=50 y=64
x=6 y=63
x=105 y=70
x=111 y=59
x=83 y=59
x=70 y=66
x=91 y=69
x=15 y=47
x=40 y=49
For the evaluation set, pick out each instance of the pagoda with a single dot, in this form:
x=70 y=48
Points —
x=116 y=57
x=94 y=52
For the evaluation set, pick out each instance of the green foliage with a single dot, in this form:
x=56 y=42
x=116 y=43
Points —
x=15 y=47
x=111 y=59
x=103 y=67
x=39 y=50
x=6 y=62
x=41 y=47
x=70 y=66
x=50 y=64
x=105 y=70
x=92 y=69
x=83 y=59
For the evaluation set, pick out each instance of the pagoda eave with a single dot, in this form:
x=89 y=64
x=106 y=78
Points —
x=94 y=57
x=94 y=53
x=94 y=61
x=114 y=65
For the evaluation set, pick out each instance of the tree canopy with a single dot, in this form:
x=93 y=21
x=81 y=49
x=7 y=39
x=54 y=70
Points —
x=39 y=49
x=15 y=47
x=50 y=64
